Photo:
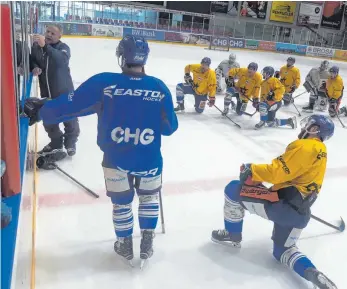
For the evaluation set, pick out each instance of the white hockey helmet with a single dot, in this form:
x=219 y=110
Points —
x=232 y=58
x=324 y=65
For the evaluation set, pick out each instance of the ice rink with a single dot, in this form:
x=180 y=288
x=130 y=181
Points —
x=75 y=233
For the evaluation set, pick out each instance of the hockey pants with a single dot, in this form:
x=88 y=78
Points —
x=200 y=100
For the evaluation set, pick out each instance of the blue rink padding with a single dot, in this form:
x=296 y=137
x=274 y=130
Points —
x=9 y=233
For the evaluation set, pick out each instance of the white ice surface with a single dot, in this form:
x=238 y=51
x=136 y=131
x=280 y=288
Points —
x=75 y=233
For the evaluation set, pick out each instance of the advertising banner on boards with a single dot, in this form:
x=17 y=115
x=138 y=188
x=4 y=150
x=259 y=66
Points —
x=320 y=51
x=251 y=44
x=187 y=38
x=107 y=30
x=267 y=45
x=219 y=6
x=148 y=34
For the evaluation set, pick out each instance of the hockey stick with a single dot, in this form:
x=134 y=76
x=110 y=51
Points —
x=299 y=94
x=338 y=117
x=296 y=108
x=340 y=228
x=228 y=117
x=161 y=213
x=77 y=182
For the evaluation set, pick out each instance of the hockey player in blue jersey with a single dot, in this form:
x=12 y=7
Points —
x=297 y=177
x=133 y=110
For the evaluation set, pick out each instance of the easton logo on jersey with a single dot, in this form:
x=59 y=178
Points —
x=148 y=95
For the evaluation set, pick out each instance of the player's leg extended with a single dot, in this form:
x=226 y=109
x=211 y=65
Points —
x=200 y=102
x=181 y=90
x=230 y=93
x=219 y=75
x=272 y=121
x=233 y=217
x=121 y=190
x=148 y=191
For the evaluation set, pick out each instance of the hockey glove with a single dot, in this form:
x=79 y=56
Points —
x=256 y=103
x=230 y=82
x=277 y=74
x=245 y=174
x=211 y=101
x=32 y=107
x=270 y=96
x=188 y=78
x=45 y=163
x=333 y=107
x=292 y=89
x=323 y=86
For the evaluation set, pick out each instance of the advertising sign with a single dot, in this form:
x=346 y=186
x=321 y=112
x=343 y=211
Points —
x=107 y=30
x=267 y=45
x=219 y=6
x=320 y=51
x=69 y=28
x=301 y=49
x=282 y=11
x=222 y=42
x=254 y=9
x=332 y=14
x=187 y=38
x=310 y=14
x=340 y=54
x=251 y=44
x=236 y=42
x=148 y=34
x=285 y=47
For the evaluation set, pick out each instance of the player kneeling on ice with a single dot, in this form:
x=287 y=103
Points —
x=246 y=88
x=334 y=91
x=202 y=85
x=290 y=77
x=133 y=110
x=297 y=177
x=315 y=84
x=271 y=92
x=223 y=70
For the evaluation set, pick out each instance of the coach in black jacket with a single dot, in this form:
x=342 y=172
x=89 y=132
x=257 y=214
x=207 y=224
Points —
x=50 y=61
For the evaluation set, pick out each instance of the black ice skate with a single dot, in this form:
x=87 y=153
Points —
x=179 y=107
x=52 y=153
x=124 y=248
x=319 y=279
x=343 y=110
x=71 y=150
x=292 y=122
x=146 y=246
x=308 y=108
x=225 y=238
x=259 y=125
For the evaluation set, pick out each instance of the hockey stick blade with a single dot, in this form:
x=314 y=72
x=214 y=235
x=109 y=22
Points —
x=227 y=117
x=300 y=94
x=341 y=227
x=338 y=117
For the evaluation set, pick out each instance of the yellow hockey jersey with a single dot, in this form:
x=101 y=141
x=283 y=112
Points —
x=302 y=165
x=248 y=87
x=335 y=87
x=289 y=77
x=205 y=83
x=271 y=84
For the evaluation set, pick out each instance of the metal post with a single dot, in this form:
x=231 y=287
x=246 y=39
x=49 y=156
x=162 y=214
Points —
x=254 y=30
x=169 y=22
x=156 y=24
x=343 y=40
x=203 y=25
x=332 y=42
x=191 y=27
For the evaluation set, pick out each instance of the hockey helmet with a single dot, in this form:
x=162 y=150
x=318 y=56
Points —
x=267 y=72
x=334 y=71
x=320 y=125
x=133 y=51
x=324 y=65
x=290 y=61
x=206 y=61
x=232 y=58
x=253 y=66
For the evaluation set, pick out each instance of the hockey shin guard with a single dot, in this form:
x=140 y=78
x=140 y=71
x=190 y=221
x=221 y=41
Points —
x=233 y=211
x=148 y=210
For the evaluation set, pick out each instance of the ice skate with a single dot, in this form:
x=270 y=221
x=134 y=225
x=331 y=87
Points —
x=146 y=246
x=308 y=109
x=292 y=122
x=124 y=248
x=259 y=125
x=319 y=279
x=225 y=111
x=179 y=107
x=343 y=110
x=71 y=150
x=225 y=238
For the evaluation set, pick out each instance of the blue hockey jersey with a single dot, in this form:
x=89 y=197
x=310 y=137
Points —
x=133 y=112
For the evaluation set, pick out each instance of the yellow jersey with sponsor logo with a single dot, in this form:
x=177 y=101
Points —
x=290 y=76
x=335 y=87
x=248 y=87
x=302 y=165
x=205 y=82
x=274 y=85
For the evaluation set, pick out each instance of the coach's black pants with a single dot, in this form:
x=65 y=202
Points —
x=69 y=138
